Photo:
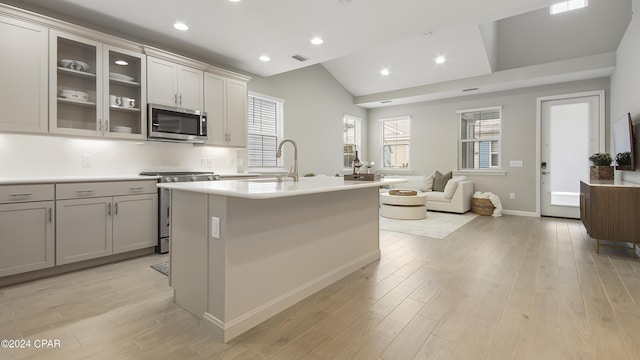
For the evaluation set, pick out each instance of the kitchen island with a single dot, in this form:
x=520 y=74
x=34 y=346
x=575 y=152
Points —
x=245 y=250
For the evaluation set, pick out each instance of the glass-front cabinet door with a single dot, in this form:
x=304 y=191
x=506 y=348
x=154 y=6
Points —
x=75 y=85
x=125 y=93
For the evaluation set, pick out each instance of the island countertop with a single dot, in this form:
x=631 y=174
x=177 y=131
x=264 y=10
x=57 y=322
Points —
x=269 y=188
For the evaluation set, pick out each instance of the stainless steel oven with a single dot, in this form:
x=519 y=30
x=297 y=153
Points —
x=164 y=200
x=175 y=124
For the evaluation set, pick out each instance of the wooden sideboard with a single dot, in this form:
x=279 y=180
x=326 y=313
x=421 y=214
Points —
x=611 y=211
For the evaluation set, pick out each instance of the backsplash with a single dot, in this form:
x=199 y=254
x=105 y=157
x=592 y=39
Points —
x=37 y=156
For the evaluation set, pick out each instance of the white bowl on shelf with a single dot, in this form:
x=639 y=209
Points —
x=121 y=77
x=74 y=65
x=73 y=95
x=121 y=129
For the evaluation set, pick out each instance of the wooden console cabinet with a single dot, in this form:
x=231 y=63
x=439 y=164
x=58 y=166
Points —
x=611 y=211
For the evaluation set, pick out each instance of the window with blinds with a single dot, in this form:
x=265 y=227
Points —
x=264 y=131
x=396 y=140
x=480 y=138
x=351 y=139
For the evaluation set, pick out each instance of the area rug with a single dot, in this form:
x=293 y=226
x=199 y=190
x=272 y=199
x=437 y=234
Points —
x=437 y=225
x=162 y=267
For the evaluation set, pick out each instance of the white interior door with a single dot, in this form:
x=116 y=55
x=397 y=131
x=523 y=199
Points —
x=570 y=132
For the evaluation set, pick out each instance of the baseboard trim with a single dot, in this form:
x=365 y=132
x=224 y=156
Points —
x=226 y=331
x=521 y=213
x=66 y=268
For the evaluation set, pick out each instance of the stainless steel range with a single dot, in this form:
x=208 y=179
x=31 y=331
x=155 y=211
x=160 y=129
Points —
x=164 y=200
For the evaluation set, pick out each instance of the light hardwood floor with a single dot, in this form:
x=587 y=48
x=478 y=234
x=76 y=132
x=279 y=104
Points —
x=498 y=288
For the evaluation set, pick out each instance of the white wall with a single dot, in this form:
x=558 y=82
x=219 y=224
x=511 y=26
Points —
x=315 y=104
x=42 y=155
x=434 y=136
x=625 y=84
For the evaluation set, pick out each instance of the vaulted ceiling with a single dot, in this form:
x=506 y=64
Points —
x=481 y=40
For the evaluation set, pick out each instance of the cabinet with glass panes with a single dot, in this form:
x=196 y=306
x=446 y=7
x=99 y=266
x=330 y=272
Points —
x=75 y=88
x=99 y=90
x=125 y=95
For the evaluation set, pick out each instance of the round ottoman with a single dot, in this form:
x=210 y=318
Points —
x=403 y=207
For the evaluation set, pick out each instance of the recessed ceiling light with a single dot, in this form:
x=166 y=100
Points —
x=265 y=58
x=181 y=26
x=440 y=60
x=121 y=62
x=317 y=40
x=384 y=72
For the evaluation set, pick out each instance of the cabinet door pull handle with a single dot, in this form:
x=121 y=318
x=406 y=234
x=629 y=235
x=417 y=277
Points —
x=175 y=99
x=20 y=194
x=116 y=209
x=50 y=215
x=109 y=209
x=181 y=100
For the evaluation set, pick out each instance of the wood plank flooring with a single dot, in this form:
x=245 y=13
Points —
x=498 y=288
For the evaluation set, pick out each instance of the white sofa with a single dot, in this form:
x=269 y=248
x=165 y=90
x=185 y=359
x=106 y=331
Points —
x=456 y=198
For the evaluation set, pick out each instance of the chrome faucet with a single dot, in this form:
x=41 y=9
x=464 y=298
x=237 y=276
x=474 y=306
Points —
x=294 y=172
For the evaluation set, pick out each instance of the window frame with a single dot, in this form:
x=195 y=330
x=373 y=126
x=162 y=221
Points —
x=382 y=164
x=491 y=170
x=357 y=136
x=279 y=130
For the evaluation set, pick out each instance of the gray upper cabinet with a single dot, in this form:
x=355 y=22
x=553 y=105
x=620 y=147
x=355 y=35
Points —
x=75 y=85
x=226 y=107
x=173 y=84
x=23 y=70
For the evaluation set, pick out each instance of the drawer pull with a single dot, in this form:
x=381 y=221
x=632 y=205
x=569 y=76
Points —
x=137 y=188
x=20 y=194
x=86 y=191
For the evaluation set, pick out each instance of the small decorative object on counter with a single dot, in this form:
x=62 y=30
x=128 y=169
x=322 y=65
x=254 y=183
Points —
x=356 y=165
x=362 y=177
x=601 y=169
x=398 y=192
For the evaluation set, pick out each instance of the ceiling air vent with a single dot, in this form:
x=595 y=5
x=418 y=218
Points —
x=300 y=57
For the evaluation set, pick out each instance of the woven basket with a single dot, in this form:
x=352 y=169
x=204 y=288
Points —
x=482 y=206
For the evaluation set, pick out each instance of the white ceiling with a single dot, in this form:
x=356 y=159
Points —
x=361 y=36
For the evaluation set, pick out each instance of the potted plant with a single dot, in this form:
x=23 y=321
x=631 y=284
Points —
x=623 y=160
x=601 y=169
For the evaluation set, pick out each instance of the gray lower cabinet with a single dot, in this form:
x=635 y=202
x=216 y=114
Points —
x=135 y=222
x=89 y=227
x=27 y=236
x=83 y=229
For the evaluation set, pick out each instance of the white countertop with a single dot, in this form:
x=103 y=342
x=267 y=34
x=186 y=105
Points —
x=71 y=179
x=268 y=188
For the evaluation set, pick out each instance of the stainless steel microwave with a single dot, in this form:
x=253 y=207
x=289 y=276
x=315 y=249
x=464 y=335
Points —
x=168 y=123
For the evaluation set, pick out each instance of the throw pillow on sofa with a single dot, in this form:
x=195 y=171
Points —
x=450 y=188
x=440 y=181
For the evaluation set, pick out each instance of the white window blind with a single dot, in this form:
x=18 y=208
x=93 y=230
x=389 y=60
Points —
x=480 y=138
x=396 y=141
x=263 y=131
